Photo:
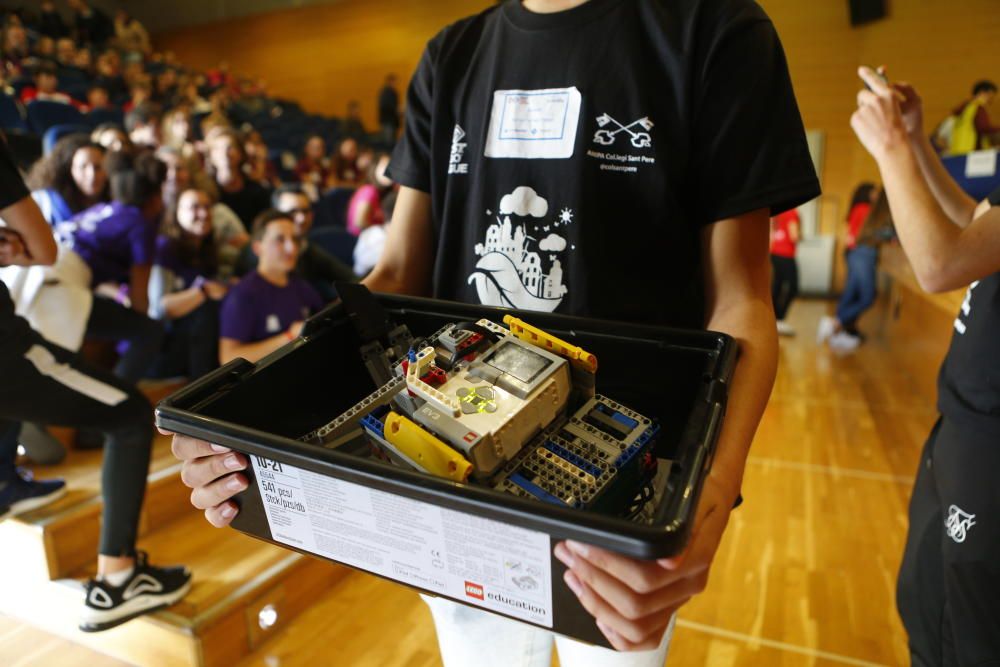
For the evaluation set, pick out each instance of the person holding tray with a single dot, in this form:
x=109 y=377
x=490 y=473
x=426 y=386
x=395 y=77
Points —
x=614 y=160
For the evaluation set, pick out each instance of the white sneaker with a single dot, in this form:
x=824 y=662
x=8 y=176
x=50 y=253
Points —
x=785 y=329
x=844 y=342
x=827 y=327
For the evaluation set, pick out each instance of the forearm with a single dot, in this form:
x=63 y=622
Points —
x=230 y=349
x=179 y=304
x=955 y=203
x=924 y=229
x=752 y=325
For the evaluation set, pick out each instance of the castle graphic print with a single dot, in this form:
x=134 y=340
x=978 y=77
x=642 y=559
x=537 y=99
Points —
x=521 y=259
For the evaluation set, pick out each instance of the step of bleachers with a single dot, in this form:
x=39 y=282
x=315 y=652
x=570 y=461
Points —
x=62 y=537
x=244 y=592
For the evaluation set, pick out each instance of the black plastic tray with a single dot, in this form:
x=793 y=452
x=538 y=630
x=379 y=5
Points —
x=679 y=377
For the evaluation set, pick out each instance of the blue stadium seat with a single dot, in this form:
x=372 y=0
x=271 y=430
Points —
x=57 y=132
x=99 y=116
x=331 y=209
x=43 y=114
x=338 y=242
x=12 y=114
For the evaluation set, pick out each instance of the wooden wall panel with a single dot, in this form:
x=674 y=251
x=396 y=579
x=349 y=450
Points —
x=327 y=55
x=323 y=56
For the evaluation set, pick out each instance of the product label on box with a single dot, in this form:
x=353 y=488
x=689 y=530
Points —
x=489 y=564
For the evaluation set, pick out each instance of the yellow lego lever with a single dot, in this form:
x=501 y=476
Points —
x=577 y=356
x=425 y=450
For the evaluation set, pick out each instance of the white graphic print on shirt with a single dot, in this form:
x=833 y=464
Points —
x=611 y=128
x=960 y=326
x=519 y=247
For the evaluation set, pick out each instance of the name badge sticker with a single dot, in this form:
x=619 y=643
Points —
x=534 y=124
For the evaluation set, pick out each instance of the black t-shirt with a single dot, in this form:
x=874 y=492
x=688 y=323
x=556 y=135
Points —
x=574 y=158
x=14 y=331
x=247 y=203
x=969 y=382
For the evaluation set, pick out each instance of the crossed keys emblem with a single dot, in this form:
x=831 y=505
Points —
x=606 y=136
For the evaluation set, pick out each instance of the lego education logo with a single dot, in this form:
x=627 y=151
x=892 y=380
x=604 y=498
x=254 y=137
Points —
x=474 y=591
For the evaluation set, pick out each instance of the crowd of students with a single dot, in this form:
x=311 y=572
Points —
x=180 y=245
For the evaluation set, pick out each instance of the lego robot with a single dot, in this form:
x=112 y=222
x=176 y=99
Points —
x=512 y=408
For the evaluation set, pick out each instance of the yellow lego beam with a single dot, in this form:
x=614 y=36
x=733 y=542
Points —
x=577 y=356
x=424 y=449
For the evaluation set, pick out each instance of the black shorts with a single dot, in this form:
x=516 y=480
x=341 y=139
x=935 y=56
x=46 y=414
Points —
x=949 y=583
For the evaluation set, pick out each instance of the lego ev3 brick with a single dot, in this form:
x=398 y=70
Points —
x=448 y=428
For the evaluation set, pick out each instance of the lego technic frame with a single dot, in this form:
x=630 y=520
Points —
x=679 y=378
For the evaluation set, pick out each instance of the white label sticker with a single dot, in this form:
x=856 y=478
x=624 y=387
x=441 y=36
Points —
x=533 y=124
x=981 y=163
x=486 y=563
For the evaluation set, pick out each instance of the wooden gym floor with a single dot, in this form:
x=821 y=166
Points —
x=806 y=572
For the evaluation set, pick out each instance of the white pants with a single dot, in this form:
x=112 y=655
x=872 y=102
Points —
x=469 y=637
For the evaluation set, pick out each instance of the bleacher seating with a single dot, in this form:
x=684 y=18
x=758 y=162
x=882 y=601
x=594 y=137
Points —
x=57 y=132
x=43 y=114
x=12 y=114
x=100 y=116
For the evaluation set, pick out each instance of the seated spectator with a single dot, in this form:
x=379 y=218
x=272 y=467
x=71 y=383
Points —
x=65 y=52
x=111 y=137
x=92 y=26
x=176 y=131
x=345 y=164
x=143 y=125
x=70 y=179
x=189 y=95
x=268 y=307
x=140 y=92
x=130 y=34
x=259 y=166
x=352 y=125
x=50 y=21
x=46 y=82
x=118 y=242
x=229 y=233
x=314 y=167
x=109 y=75
x=165 y=87
x=225 y=160
x=15 y=49
x=365 y=208
x=45 y=49
x=97 y=98
x=84 y=62
x=315 y=265
x=184 y=290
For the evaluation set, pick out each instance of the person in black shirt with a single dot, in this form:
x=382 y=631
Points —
x=226 y=157
x=949 y=583
x=608 y=159
x=388 y=110
x=92 y=26
x=45 y=383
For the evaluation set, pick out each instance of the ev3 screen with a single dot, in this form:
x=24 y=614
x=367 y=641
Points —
x=518 y=362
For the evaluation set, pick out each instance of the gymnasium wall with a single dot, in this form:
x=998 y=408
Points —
x=326 y=55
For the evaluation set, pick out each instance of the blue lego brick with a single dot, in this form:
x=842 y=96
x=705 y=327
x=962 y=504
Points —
x=373 y=424
x=617 y=416
x=581 y=463
x=535 y=490
x=626 y=457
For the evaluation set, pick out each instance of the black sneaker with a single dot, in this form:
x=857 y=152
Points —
x=148 y=589
x=23 y=493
